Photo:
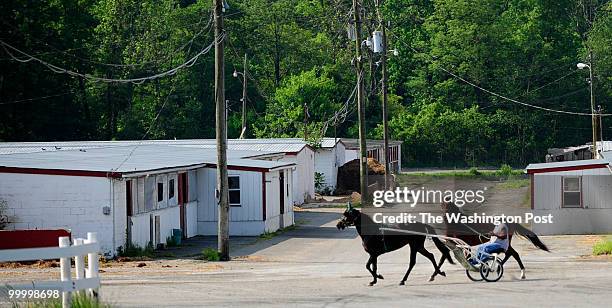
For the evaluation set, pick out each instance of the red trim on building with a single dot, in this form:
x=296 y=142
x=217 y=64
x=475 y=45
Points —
x=18 y=239
x=532 y=179
x=568 y=168
x=102 y=174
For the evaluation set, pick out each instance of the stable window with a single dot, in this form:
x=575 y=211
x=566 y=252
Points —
x=160 y=192
x=234 y=190
x=572 y=192
x=171 y=189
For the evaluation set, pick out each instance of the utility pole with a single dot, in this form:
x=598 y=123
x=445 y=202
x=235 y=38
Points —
x=221 y=134
x=599 y=112
x=593 y=116
x=305 y=121
x=244 y=99
x=385 y=109
x=363 y=156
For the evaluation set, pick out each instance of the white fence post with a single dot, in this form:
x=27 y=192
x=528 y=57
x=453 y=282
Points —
x=65 y=266
x=92 y=262
x=65 y=252
x=79 y=263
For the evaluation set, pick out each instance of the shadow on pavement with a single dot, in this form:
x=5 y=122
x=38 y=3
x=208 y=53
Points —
x=310 y=224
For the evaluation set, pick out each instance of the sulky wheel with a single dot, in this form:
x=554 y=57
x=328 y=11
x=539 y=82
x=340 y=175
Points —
x=473 y=275
x=492 y=270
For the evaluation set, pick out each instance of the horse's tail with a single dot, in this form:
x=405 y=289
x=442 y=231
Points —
x=532 y=237
x=443 y=248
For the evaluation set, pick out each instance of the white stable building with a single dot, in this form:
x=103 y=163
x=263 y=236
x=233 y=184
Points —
x=577 y=193
x=295 y=151
x=140 y=194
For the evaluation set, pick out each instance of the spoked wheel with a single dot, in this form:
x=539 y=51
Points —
x=474 y=276
x=492 y=270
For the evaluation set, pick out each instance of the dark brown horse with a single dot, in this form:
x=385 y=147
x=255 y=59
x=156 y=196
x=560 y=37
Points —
x=475 y=234
x=376 y=243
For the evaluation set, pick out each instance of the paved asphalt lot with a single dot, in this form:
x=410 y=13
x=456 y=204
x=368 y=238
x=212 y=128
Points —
x=316 y=265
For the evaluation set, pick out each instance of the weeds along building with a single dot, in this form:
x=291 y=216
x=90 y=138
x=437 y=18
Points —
x=578 y=193
x=141 y=193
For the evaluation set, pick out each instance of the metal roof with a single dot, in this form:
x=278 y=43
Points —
x=565 y=164
x=130 y=159
x=352 y=144
x=286 y=145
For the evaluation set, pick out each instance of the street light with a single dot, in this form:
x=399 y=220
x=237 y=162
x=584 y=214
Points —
x=593 y=118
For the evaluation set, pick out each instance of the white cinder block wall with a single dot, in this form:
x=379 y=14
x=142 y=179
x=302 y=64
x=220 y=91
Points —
x=38 y=201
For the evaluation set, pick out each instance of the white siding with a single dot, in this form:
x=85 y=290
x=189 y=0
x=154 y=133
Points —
x=52 y=201
x=191 y=211
x=350 y=155
x=596 y=188
x=169 y=219
x=274 y=220
x=249 y=211
x=594 y=218
x=303 y=181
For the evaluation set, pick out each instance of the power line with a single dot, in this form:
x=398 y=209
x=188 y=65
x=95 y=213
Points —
x=151 y=125
x=65 y=52
x=499 y=95
x=60 y=70
x=35 y=98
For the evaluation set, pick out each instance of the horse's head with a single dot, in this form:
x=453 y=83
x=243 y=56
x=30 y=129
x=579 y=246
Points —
x=349 y=217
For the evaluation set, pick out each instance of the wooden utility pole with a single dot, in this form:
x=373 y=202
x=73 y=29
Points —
x=363 y=156
x=593 y=115
x=385 y=109
x=305 y=121
x=244 y=99
x=221 y=134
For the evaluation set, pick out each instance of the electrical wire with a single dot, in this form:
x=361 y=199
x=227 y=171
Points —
x=140 y=80
x=500 y=95
x=151 y=125
x=35 y=98
x=176 y=51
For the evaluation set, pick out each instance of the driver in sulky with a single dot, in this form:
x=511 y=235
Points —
x=498 y=243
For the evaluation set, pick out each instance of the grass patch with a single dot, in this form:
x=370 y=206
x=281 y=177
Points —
x=135 y=251
x=77 y=301
x=603 y=247
x=171 y=242
x=505 y=171
x=270 y=235
x=514 y=183
x=210 y=254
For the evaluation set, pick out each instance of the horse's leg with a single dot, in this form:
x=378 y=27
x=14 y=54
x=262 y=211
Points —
x=413 y=253
x=514 y=253
x=369 y=270
x=375 y=269
x=431 y=258
x=372 y=261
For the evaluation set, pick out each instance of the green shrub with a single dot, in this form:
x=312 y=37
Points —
x=505 y=170
x=474 y=171
x=170 y=242
x=603 y=247
x=210 y=254
x=132 y=250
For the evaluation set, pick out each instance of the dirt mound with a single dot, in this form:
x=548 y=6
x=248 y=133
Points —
x=348 y=176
